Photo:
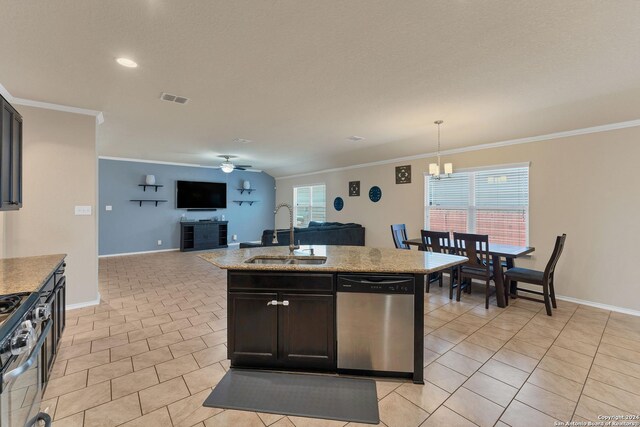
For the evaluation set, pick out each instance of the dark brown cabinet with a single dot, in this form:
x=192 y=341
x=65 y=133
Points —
x=201 y=235
x=253 y=331
x=10 y=157
x=53 y=293
x=282 y=321
x=306 y=331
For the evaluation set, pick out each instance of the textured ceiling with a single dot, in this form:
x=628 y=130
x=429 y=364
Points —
x=298 y=77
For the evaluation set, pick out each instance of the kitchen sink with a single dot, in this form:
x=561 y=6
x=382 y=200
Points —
x=287 y=260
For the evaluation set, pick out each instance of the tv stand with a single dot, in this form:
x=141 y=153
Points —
x=202 y=235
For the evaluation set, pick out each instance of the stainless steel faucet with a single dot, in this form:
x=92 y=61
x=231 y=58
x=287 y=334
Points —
x=292 y=245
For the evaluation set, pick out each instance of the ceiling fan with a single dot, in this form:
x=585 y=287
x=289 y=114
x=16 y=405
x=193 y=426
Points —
x=227 y=166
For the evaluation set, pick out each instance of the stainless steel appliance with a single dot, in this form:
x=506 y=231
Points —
x=375 y=323
x=24 y=325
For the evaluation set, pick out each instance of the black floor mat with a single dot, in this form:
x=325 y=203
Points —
x=316 y=396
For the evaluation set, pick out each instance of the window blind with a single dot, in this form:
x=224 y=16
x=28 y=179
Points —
x=493 y=202
x=309 y=204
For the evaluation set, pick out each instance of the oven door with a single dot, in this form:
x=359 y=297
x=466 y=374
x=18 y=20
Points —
x=23 y=385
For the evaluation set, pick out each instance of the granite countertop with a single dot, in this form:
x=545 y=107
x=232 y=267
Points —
x=339 y=259
x=27 y=274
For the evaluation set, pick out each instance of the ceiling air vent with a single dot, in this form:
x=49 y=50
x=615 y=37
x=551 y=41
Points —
x=355 y=138
x=173 y=98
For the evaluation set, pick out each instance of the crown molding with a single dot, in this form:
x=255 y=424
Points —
x=5 y=93
x=527 y=140
x=160 y=162
x=49 y=106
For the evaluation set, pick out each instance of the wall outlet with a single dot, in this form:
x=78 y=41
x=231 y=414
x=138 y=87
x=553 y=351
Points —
x=108 y=208
x=159 y=242
x=234 y=237
x=82 y=210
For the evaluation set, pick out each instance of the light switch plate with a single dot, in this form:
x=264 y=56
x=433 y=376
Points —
x=108 y=208
x=83 y=210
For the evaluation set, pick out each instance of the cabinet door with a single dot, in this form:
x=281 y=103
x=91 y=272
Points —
x=16 y=161
x=307 y=331
x=5 y=155
x=60 y=308
x=252 y=329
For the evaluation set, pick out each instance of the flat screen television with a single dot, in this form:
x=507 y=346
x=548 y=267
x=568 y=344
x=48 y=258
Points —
x=201 y=195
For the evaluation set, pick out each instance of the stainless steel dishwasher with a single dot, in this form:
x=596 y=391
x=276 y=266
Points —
x=375 y=322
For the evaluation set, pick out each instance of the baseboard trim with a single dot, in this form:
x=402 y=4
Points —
x=600 y=305
x=83 y=304
x=139 y=253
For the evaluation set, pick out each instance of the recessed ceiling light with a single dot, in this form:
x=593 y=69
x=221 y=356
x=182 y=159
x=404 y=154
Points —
x=355 y=138
x=242 y=140
x=126 y=62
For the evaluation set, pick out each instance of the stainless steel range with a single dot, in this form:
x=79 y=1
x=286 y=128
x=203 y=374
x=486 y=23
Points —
x=24 y=325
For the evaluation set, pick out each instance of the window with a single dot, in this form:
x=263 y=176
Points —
x=309 y=204
x=488 y=201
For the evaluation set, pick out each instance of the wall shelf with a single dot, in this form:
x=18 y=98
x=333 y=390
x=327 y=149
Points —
x=248 y=190
x=141 y=201
x=240 y=202
x=144 y=186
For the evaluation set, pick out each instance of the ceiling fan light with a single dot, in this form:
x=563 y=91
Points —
x=227 y=167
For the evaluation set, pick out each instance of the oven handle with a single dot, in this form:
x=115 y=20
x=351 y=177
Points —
x=14 y=373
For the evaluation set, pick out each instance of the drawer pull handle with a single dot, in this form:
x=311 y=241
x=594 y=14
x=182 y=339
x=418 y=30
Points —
x=275 y=302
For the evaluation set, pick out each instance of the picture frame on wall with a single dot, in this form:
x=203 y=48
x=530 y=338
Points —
x=354 y=188
x=403 y=174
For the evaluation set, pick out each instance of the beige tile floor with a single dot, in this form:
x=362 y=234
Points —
x=150 y=353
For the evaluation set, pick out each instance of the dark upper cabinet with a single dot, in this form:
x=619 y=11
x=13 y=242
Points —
x=10 y=157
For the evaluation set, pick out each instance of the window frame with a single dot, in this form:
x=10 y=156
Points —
x=311 y=204
x=472 y=208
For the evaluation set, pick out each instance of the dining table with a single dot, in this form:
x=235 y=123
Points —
x=497 y=251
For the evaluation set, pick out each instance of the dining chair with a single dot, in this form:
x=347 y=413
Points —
x=476 y=248
x=399 y=233
x=438 y=241
x=539 y=278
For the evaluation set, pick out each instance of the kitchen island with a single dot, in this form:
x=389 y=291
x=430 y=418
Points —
x=303 y=311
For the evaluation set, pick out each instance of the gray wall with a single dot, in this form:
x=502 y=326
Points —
x=131 y=228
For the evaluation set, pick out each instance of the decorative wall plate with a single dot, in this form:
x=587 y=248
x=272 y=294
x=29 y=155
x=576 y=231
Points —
x=375 y=194
x=403 y=174
x=338 y=203
x=354 y=188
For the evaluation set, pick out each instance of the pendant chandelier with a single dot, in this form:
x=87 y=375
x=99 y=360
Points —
x=434 y=168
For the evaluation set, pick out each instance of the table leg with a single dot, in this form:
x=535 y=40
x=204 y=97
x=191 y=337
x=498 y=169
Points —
x=499 y=280
x=513 y=291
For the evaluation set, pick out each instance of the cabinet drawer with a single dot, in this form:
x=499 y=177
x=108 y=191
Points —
x=312 y=282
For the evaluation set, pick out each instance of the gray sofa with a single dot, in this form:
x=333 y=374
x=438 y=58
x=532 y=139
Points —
x=317 y=233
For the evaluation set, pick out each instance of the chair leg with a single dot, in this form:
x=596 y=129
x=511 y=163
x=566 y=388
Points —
x=553 y=293
x=427 y=284
x=547 y=300
x=486 y=294
x=441 y=279
x=460 y=281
